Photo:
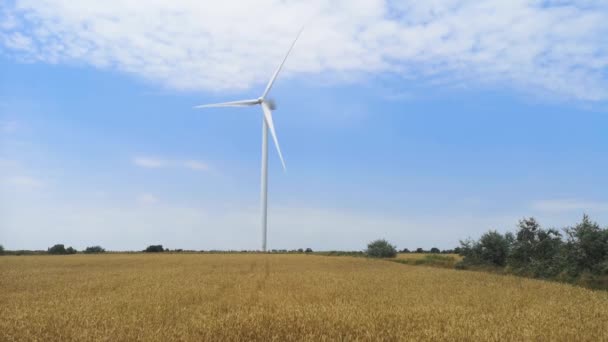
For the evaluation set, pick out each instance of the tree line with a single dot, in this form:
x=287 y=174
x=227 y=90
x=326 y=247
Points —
x=577 y=254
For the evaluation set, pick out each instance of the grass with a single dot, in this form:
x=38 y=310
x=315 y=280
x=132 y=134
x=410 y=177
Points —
x=435 y=260
x=196 y=297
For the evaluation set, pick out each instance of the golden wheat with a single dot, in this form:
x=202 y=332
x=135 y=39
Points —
x=194 y=297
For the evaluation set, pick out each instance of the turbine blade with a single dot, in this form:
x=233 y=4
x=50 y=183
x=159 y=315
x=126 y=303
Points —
x=270 y=124
x=242 y=103
x=276 y=73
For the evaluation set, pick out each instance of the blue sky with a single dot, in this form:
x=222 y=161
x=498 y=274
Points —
x=413 y=122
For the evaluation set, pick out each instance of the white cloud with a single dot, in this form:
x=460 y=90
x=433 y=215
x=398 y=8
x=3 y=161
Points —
x=149 y=162
x=559 y=47
x=147 y=199
x=24 y=182
x=156 y=163
x=569 y=205
x=196 y=165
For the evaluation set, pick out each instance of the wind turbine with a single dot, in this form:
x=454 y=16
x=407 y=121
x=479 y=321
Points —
x=268 y=106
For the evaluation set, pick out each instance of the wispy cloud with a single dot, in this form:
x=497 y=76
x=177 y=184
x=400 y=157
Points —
x=24 y=182
x=150 y=162
x=156 y=163
x=147 y=199
x=196 y=165
x=569 y=205
x=560 y=47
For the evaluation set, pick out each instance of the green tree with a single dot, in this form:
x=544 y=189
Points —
x=381 y=249
x=94 y=249
x=491 y=249
x=536 y=251
x=586 y=248
x=57 y=249
x=435 y=250
x=1 y=249
x=154 y=249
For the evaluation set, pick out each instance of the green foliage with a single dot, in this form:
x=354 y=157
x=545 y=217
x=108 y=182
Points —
x=308 y=250
x=586 y=249
x=434 y=260
x=536 y=251
x=1 y=250
x=542 y=253
x=381 y=249
x=57 y=249
x=491 y=249
x=435 y=250
x=94 y=249
x=419 y=250
x=154 y=249
x=70 y=250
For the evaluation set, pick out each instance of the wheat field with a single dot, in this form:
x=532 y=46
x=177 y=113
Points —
x=231 y=297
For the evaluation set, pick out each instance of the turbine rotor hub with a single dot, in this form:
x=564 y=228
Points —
x=271 y=104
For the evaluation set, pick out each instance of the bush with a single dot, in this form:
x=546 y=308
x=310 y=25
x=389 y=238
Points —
x=57 y=249
x=1 y=250
x=419 y=250
x=154 y=249
x=536 y=251
x=405 y=250
x=70 y=250
x=586 y=249
x=491 y=249
x=94 y=249
x=435 y=250
x=308 y=250
x=381 y=249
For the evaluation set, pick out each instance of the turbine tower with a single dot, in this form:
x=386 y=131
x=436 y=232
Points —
x=268 y=106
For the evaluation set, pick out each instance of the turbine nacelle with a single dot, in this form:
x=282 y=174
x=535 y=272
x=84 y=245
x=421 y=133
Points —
x=271 y=104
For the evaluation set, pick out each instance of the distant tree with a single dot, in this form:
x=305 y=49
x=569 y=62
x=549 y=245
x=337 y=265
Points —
x=94 y=249
x=435 y=250
x=308 y=250
x=70 y=250
x=57 y=249
x=491 y=249
x=405 y=250
x=300 y=250
x=154 y=249
x=381 y=249
x=586 y=249
x=1 y=249
x=536 y=251
x=419 y=250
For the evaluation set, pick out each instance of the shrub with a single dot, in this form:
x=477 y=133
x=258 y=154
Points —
x=381 y=249
x=1 y=250
x=536 y=251
x=586 y=249
x=308 y=250
x=405 y=250
x=419 y=250
x=70 y=250
x=435 y=250
x=94 y=249
x=154 y=249
x=57 y=249
x=491 y=249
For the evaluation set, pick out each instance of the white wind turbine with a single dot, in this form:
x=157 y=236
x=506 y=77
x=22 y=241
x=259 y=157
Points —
x=268 y=106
